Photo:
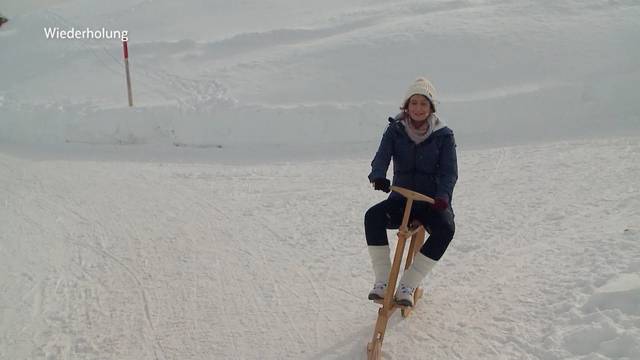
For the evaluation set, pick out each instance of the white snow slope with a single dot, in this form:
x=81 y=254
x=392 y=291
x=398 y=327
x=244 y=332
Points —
x=222 y=216
x=127 y=260
x=250 y=73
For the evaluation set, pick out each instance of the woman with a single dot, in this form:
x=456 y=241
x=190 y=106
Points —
x=423 y=150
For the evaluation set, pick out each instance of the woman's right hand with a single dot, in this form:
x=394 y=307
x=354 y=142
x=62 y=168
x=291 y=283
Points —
x=382 y=184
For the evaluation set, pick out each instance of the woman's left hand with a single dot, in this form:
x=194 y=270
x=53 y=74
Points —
x=440 y=203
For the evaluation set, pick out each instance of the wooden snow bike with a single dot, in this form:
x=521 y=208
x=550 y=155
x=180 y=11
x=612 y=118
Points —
x=416 y=232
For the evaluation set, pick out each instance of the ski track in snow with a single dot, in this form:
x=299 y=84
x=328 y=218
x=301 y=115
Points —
x=204 y=261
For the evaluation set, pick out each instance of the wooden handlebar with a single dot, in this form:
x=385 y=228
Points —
x=409 y=194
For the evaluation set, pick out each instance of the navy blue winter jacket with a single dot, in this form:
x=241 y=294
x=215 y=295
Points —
x=430 y=167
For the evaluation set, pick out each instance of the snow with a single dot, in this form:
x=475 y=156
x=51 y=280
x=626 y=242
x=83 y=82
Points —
x=222 y=216
x=255 y=72
x=115 y=259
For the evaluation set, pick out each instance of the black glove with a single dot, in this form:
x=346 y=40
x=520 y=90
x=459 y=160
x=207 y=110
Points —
x=382 y=184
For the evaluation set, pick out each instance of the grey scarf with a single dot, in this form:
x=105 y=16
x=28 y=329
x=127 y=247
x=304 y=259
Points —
x=418 y=135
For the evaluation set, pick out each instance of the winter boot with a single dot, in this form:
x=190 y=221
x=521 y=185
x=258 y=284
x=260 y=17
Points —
x=412 y=278
x=381 y=268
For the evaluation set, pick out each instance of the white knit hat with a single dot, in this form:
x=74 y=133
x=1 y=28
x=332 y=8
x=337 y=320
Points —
x=421 y=86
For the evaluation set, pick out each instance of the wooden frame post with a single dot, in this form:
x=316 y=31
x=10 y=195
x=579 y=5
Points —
x=417 y=234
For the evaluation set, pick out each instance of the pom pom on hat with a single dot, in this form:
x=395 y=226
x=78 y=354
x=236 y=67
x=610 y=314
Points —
x=421 y=86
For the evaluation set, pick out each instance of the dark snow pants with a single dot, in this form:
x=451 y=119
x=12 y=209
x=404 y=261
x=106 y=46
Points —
x=388 y=215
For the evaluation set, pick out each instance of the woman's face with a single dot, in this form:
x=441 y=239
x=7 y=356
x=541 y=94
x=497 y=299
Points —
x=419 y=108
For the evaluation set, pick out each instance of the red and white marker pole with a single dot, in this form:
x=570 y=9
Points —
x=126 y=67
